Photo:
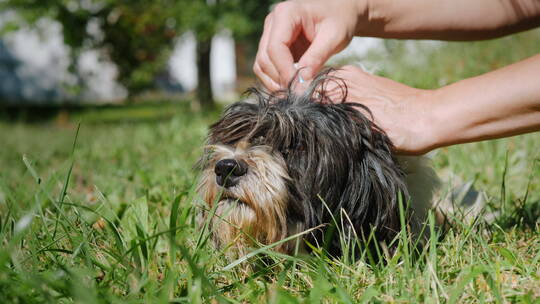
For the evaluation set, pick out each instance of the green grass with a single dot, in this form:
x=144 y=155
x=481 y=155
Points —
x=108 y=215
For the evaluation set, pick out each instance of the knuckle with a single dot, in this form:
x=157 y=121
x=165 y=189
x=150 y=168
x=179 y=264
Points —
x=283 y=7
x=268 y=21
x=262 y=63
x=273 y=52
x=265 y=67
x=257 y=69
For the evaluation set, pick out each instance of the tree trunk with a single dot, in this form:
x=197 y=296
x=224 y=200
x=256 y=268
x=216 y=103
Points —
x=204 y=87
x=244 y=64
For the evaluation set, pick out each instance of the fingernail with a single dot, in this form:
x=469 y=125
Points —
x=275 y=85
x=300 y=78
x=269 y=83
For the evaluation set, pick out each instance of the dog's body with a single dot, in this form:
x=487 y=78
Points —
x=285 y=164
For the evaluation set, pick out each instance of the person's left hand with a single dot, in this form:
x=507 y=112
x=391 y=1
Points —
x=401 y=111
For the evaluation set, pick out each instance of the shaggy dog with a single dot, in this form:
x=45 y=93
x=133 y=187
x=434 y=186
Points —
x=279 y=164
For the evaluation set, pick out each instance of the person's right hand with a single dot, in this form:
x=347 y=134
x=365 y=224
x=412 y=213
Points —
x=304 y=31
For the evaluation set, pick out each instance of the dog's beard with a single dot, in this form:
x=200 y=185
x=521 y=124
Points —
x=254 y=211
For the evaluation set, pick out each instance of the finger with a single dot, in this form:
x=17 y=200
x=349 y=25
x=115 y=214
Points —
x=334 y=90
x=349 y=72
x=342 y=86
x=286 y=26
x=351 y=75
x=324 y=45
x=265 y=67
x=268 y=82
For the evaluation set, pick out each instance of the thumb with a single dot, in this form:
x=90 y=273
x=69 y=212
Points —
x=323 y=46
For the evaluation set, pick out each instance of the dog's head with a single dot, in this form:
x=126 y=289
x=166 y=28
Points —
x=282 y=163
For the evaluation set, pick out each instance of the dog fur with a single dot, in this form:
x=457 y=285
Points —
x=282 y=163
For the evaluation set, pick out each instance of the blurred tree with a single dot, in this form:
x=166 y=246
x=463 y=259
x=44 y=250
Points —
x=138 y=35
x=205 y=18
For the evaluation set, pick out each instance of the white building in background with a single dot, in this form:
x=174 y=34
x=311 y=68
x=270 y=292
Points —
x=183 y=67
x=34 y=65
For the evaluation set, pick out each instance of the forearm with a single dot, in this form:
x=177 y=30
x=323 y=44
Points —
x=446 y=19
x=501 y=103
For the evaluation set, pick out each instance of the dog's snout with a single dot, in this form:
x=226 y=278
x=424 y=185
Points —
x=230 y=167
x=228 y=171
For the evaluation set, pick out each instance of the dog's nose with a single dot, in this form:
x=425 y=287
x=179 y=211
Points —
x=228 y=172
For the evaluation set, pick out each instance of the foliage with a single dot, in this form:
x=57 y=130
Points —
x=135 y=35
x=206 y=18
x=138 y=35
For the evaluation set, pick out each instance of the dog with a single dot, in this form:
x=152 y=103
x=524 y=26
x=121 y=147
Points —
x=282 y=164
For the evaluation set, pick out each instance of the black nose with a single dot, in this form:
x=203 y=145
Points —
x=229 y=171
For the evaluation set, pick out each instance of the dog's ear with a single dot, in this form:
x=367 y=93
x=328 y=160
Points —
x=385 y=177
x=380 y=180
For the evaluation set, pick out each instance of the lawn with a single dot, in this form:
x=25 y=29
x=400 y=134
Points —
x=99 y=207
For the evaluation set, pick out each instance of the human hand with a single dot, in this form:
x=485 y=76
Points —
x=306 y=32
x=501 y=103
x=403 y=112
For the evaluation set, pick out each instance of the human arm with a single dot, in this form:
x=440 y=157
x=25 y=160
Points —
x=310 y=31
x=458 y=20
x=497 y=104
